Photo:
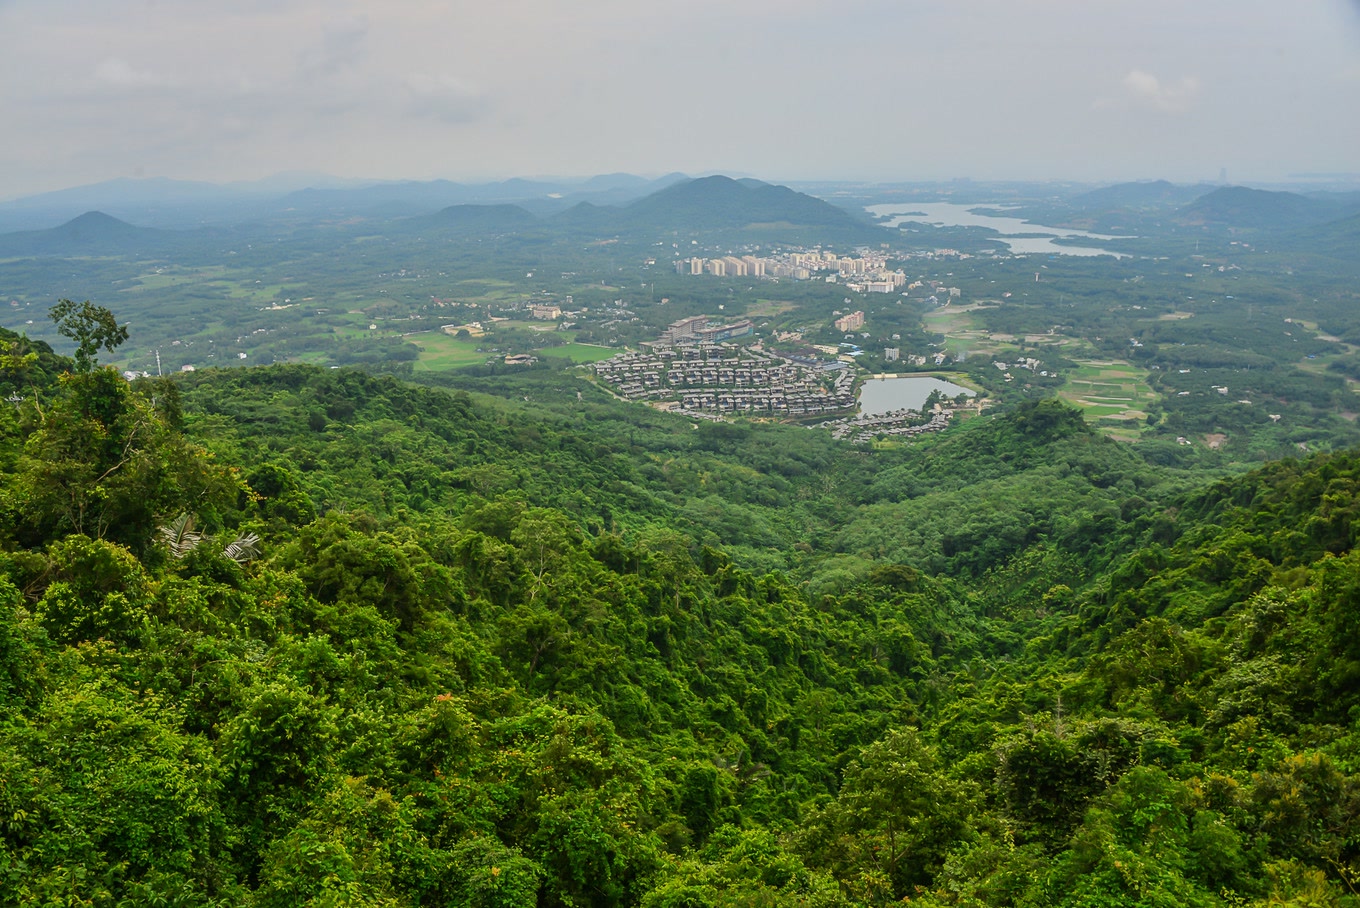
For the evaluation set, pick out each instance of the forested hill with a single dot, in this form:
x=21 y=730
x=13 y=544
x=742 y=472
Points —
x=93 y=233
x=291 y=636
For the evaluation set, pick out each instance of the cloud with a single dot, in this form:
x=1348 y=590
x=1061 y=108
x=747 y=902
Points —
x=444 y=97
x=119 y=73
x=464 y=88
x=341 y=47
x=1147 y=91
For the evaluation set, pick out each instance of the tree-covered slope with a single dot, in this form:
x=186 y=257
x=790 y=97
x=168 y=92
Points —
x=429 y=648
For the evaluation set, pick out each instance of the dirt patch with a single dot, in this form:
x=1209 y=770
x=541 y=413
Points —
x=1215 y=440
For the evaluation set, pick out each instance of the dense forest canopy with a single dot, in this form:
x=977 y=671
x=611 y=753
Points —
x=300 y=636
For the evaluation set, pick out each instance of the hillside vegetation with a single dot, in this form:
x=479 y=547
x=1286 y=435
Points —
x=291 y=636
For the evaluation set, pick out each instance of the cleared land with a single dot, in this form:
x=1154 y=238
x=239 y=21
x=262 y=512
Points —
x=578 y=353
x=768 y=308
x=440 y=351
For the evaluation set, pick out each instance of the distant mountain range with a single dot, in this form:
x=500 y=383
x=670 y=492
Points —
x=92 y=233
x=753 y=209
x=179 y=204
x=1257 y=209
x=1316 y=220
x=720 y=203
x=1153 y=194
x=620 y=204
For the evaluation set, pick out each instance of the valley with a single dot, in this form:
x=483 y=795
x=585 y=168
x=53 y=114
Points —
x=494 y=560
x=1187 y=299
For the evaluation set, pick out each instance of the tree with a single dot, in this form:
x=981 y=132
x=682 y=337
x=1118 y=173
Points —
x=897 y=816
x=90 y=326
x=100 y=461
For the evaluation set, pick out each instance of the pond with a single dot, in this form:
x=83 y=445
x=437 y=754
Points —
x=884 y=395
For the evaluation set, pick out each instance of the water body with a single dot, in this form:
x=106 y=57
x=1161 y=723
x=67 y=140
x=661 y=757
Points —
x=884 y=395
x=1022 y=237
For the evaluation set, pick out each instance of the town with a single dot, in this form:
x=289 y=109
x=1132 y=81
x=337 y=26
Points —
x=866 y=274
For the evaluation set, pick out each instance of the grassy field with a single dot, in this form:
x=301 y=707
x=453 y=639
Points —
x=963 y=333
x=1109 y=390
x=440 y=351
x=578 y=353
x=768 y=308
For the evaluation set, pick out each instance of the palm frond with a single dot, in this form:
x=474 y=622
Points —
x=243 y=549
x=179 y=536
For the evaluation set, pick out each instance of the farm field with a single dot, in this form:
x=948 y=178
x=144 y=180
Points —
x=1108 y=390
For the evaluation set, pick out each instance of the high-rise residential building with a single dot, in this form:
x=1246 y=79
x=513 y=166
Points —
x=734 y=266
x=850 y=322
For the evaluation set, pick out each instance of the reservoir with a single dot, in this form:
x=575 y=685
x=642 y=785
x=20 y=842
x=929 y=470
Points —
x=884 y=395
x=1022 y=237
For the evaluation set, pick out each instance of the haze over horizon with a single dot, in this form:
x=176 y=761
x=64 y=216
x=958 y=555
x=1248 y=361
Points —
x=787 y=91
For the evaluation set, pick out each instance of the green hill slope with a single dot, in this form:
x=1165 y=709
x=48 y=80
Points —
x=422 y=647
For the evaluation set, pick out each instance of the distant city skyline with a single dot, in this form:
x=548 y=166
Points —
x=789 y=91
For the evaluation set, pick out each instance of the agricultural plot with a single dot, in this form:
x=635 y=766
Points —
x=1109 y=390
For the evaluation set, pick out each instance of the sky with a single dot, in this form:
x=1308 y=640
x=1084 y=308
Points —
x=882 y=90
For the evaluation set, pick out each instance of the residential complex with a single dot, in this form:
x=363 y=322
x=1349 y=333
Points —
x=700 y=330
x=867 y=273
x=717 y=378
x=851 y=322
x=686 y=372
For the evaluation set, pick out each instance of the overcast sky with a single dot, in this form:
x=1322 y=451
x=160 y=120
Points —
x=781 y=89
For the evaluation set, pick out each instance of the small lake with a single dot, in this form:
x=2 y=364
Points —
x=884 y=395
x=1022 y=237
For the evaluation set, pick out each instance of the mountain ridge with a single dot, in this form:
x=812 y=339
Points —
x=1258 y=209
